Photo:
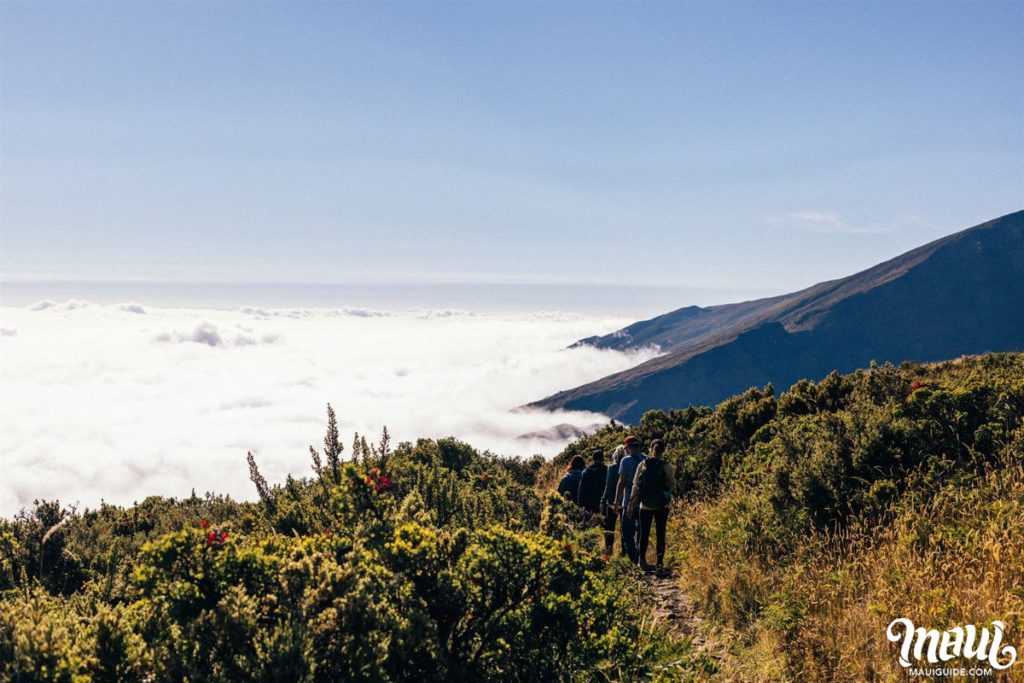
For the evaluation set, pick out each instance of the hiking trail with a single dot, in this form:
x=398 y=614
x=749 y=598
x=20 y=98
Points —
x=675 y=609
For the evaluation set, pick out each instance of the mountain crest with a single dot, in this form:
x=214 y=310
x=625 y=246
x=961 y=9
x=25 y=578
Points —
x=961 y=294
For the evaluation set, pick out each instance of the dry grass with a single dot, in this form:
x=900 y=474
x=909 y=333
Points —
x=821 y=616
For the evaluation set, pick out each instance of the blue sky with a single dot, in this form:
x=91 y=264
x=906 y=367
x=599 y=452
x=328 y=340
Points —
x=730 y=146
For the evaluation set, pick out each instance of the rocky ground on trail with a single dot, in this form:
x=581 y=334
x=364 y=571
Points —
x=673 y=607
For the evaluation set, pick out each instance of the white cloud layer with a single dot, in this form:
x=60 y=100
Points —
x=120 y=402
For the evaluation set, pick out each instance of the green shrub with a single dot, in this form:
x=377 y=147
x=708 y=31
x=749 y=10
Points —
x=427 y=562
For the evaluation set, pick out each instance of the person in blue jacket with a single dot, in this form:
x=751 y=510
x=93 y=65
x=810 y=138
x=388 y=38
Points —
x=627 y=470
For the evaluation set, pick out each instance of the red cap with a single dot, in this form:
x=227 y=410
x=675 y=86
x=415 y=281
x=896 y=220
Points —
x=630 y=440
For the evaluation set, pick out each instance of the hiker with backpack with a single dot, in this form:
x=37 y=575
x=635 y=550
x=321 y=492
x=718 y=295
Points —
x=611 y=515
x=652 y=493
x=627 y=470
x=592 y=482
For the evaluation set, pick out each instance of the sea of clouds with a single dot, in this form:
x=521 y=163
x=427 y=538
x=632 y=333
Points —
x=123 y=401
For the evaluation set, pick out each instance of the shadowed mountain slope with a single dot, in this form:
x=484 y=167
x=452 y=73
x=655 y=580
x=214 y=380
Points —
x=962 y=294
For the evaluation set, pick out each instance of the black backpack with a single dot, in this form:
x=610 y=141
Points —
x=652 y=483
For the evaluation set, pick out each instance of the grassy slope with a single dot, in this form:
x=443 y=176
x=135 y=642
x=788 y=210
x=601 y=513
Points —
x=806 y=522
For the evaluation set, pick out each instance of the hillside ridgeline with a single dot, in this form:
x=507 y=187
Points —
x=962 y=294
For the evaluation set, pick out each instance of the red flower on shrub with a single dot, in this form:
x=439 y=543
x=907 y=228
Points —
x=216 y=538
x=203 y=524
x=380 y=481
x=328 y=533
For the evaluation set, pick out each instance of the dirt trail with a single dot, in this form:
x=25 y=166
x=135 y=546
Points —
x=674 y=608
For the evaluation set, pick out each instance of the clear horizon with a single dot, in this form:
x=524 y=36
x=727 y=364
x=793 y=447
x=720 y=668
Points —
x=755 y=147
x=510 y=295
x=622 y=300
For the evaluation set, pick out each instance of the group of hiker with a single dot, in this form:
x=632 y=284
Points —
x=634 y=491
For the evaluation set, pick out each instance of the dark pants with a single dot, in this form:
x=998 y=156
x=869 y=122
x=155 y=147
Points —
x=629 y=536
x=660 y=518
x=609 y=530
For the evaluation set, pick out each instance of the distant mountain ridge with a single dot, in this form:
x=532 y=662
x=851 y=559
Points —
x=961 y=294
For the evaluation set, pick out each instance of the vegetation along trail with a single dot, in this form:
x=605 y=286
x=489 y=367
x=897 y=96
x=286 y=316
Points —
x=802 y=524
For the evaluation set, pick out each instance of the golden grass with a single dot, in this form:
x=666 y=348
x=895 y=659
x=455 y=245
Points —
x=821 y=616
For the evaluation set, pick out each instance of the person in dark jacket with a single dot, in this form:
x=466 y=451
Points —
x=652 y=496
x=611 y=514
x=569 y=487
x=592 y=482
